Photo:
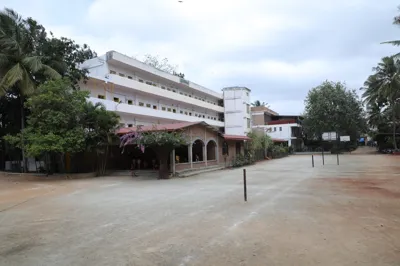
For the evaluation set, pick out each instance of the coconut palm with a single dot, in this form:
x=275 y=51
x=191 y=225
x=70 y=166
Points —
x=18 y=63
x=383 y=88
x=396 y=21
x=258 y=103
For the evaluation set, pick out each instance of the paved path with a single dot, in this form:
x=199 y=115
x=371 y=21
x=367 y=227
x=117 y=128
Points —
x=296 y=215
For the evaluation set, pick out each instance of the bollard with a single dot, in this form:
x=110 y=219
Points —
x=244 y=185
x=337 y=156
x=312 y=160
x=323 y=158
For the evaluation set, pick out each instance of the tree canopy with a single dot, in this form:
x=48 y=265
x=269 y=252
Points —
x=332 y=107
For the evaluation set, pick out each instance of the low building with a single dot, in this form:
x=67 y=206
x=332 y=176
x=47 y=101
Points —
x=281 y=128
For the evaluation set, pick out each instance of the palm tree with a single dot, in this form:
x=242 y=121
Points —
x=396 y=21
x=383 y=88
x=18 y=63
x=258 y=103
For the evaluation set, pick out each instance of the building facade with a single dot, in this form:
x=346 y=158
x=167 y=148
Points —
x=281 y=128
x=144 y=95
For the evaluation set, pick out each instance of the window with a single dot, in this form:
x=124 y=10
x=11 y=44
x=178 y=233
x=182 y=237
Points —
x=129 y=77
x=185 y=94
x=247 y=93
x=113 y=72
x=141 y=104
x=208 y=117
x=101 y=97
x=180 y=93
x=155 y=107
x=225 y=149
x=141 y=80
x=204 y=116
x=196 y=98
x=173 y=90
x=162 y=87
x=274 y=128
x=190 y=96
x=155 y=85
x=248 y=123
x=168 y=89
x=195 y=115
x=130 y=125
x=203 y=100
x=248 y=108
x=174 y=110
x=163 y=108
x=280 y=128
x=169 y=109
x=181 y=112
x=190 y=114
x=116 y=99
x=186 y=113
x=121 y=75
x=148 y=105
x=130 y=102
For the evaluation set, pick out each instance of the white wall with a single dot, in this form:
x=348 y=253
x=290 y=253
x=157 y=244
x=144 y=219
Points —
x=237 y=114
x=283 y=131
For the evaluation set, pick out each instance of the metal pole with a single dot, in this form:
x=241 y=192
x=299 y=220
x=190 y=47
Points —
x=323 y=158
x=337 y=156
x=244 y=185
x=312 y=160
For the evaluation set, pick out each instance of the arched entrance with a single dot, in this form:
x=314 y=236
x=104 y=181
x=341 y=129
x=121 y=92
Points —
x=211 y=150
x=197 y=151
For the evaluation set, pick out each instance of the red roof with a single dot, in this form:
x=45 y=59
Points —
x=278 y=140
x=236 y=137
x=162 y=127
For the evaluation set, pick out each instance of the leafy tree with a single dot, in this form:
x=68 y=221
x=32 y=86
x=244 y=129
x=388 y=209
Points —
x=100 y=126
x=19 y=66
x=54 y=126
x=332 y=107
x=163 y=142
x=258 y=103
x=396 y=21
x=382 y=90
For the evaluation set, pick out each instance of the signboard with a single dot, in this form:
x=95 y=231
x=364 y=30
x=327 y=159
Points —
x=329 y=136
x=344 y=138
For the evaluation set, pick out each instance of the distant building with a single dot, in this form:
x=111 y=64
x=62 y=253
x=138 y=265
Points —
x=281 y=128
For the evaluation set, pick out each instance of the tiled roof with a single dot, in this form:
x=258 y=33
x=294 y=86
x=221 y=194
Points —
x=236 y=137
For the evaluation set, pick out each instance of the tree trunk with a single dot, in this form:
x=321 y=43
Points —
x=24 y=166
x=163 y=155
x=394 y=127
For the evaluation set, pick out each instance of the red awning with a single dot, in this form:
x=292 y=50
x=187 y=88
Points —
x=236 y=137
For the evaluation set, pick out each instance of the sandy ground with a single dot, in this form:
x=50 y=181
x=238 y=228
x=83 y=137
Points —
x=295 y=215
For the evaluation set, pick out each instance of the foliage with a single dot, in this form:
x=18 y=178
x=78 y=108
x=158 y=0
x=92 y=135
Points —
x=100 y=126
x=54 y=124
x=162 y=64
x=242 y=160
x=258 y=103
x=396 y=21
x=162 y=141
x=382 y=96
x=332 y=107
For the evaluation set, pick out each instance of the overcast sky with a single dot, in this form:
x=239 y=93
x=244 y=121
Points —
x=277 y=48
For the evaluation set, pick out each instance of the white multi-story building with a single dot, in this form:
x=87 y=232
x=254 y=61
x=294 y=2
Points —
x=144 y=95
x=281 y=128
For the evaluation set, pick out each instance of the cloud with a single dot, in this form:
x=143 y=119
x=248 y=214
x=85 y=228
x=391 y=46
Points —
x=279 y=49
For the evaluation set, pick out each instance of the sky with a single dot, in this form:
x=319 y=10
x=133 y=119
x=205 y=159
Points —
x=278 y=49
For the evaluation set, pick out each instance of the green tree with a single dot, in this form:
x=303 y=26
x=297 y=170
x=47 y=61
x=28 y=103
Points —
x=396 y=21
x=18 y=64
x=382 y=89
x=258 y=103
x=332 y=107
x=54 y=126
x=163 y=142
x=100 y=127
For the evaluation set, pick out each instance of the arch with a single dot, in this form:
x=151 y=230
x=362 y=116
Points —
x=197 y=151
x=211 y=150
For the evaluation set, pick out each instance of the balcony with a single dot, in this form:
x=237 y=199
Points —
x=149 y=112
x=158 y=92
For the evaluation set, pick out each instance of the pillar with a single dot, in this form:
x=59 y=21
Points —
x=190 y=154
x=205 y=153
x=173 y=162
